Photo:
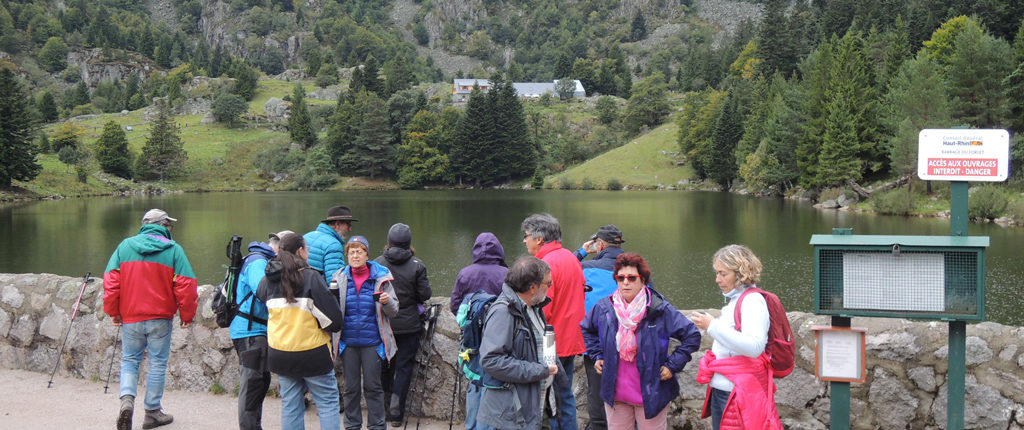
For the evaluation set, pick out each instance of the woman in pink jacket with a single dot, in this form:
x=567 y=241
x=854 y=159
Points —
x=741 y=393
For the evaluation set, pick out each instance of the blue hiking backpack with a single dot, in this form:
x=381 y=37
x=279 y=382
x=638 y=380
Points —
x=472 y=313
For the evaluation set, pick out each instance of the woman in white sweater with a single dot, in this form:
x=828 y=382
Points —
x=741 y=390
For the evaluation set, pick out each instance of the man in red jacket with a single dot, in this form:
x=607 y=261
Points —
x=147 y=281
x=542 y=236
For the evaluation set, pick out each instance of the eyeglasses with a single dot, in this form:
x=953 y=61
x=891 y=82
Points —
x=623 y=278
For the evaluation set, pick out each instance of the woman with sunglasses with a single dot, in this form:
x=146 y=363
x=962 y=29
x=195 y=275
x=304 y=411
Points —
x=628 y=335
x=740 y=391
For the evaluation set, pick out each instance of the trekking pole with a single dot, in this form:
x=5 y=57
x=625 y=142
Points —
x=455 y=394
x=431 y=328
x=111 y=367
x=85 y=282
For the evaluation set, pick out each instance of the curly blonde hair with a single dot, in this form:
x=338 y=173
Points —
x=741 y=260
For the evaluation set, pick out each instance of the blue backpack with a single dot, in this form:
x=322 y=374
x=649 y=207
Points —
x=472 y=313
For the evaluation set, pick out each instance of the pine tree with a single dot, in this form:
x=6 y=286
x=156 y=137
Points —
x=245 y=79
x=112 y=151
x=775 y=40
x=816 y=69
x=343 y=130
x=1014 y=84
x=47 y=108
x=300 y=125
x=728 y=130
x=471 y=146
x=17 y=151
x=515 y=156
x=918 y=100
x=81 y=95
x=638 y=29
x=398 y=76
x=163 y=154
x=373 y=152
x=977 y=67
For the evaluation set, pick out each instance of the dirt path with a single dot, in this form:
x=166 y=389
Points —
x=81 y=404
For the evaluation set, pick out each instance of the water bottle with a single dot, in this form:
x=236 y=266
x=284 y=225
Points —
x=333 y=288
x=549 y=345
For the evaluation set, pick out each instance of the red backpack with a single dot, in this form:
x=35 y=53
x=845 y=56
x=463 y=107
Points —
x=780 y=347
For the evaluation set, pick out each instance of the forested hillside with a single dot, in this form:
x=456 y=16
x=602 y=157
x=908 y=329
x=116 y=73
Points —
x=772 y=94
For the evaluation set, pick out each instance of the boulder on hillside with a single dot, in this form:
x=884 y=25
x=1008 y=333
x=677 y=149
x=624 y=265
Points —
x=276 y=110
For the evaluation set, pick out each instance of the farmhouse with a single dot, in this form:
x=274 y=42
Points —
x=462 y=87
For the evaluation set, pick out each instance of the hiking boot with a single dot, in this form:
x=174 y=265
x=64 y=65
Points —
x=124 y=416
x=396 y=424
x=156 y=418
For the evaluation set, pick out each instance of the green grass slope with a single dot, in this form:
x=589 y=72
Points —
x=648 y=161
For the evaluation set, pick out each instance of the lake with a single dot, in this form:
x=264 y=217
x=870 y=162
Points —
x=676 y=231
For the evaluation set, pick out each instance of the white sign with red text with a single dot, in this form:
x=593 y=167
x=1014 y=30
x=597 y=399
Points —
x=963 y=155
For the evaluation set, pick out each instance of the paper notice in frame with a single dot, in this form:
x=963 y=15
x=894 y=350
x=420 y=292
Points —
x=840 y=354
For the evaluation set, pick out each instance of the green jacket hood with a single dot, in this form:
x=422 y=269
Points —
x=152 y=238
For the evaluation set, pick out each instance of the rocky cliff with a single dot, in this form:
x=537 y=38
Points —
x=906 y=386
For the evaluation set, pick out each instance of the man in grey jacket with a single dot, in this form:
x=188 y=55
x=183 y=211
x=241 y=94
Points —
x=510 y=349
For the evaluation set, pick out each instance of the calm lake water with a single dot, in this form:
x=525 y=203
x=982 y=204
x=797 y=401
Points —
x=677 y=232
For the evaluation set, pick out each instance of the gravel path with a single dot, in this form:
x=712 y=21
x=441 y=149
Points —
x=81 y=404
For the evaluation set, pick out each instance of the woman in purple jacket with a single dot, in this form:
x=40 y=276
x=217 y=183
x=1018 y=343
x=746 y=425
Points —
x=628 y=335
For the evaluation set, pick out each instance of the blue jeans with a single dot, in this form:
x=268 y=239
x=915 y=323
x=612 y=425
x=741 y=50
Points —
x=564 y=398
x=473 y=394
x=324 y=389
x=717 y=406
x=136 y=338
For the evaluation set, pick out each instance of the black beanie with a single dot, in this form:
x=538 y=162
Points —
x=400 y=236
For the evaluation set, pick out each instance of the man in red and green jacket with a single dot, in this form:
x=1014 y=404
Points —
x=148 y=280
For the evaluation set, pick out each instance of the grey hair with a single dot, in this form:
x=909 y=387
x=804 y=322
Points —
x=542 y=226
x=526 y=272
x=274 y=242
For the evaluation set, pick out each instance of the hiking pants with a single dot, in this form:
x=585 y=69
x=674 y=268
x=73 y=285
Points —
x=361 y=367
x=399 y=374
x=253 y=380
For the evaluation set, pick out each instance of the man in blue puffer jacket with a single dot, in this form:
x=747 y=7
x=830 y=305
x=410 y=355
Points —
x=607 y=243
x=326 y=244
x=249 y=333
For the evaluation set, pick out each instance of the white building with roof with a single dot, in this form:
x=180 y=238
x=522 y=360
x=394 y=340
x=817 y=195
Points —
x=462 y=87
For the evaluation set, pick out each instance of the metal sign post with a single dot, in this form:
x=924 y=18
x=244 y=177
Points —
x=957 y=373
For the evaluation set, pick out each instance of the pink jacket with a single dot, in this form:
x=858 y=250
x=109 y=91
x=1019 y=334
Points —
x=751 y=404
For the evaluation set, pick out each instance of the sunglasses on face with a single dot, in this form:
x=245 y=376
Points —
x=623 y=278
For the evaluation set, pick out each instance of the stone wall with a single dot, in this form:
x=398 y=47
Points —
x=906 y=385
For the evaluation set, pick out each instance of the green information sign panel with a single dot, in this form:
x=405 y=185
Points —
x=923 y=277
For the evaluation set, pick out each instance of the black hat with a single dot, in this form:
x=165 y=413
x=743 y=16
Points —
x=610 y=234
x=338 y=213
x=400 y=236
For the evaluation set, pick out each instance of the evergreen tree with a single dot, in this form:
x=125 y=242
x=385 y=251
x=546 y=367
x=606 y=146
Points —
x=1014 y=83
x=851 y=139
x=17 y=151
x=368 y=78
x=163 y=154
x=245 y=79
x=112 y=151
x=638 y=28
x=774 y=39
x=471 y=147
x=398 y=75
x=977 y=67
x=696 y=125
x=624 y=79
x=372 y=152
x=816 y=69
x=418 y=161
x=300 y=125
x=81 y=95
x=343 y=130
x=313 y=62
x=918 y=100
x=43 y=142
x=728 y=130
x=47 y=108
x=516 y=156
x=216 y=62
